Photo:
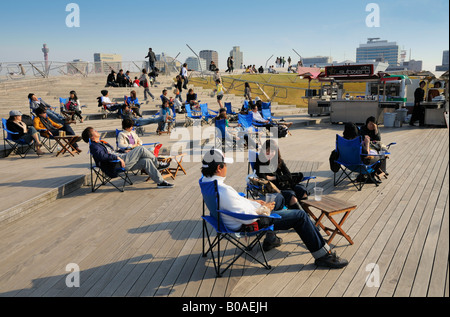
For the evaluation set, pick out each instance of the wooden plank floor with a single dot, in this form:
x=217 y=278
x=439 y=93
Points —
x=147 y=242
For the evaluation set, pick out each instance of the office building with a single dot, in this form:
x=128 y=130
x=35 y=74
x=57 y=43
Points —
x=238 y=57
x=104 y=63
x=379 y=50
x=210 y=56
x=445 y=66
x=193 y=63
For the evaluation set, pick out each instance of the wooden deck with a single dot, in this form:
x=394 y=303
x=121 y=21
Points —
x=147 y=242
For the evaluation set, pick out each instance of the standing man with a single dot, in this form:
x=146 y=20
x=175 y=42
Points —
x=418 y=110
x=151 y=59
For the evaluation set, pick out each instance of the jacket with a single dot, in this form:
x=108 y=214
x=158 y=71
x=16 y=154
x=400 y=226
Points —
x=39 y=126
x=105 y=160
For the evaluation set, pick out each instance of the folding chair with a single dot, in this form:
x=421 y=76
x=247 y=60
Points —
x=190 y=118
x=255 y=191
x=63 y=109
x=211 y=201
x=232 y=116
x=101 y=178
x=351 y=161
x=206 y=115
x=246 y=122
x=19 y=146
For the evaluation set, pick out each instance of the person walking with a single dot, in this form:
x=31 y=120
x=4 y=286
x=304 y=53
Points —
x=145 y=82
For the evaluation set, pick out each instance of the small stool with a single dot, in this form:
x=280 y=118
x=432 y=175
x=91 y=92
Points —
x=66 y=143
x=329 y=207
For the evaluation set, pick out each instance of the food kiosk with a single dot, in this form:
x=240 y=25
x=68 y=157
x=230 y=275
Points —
x=384 y=93
x=436 y=109
x=318 y=99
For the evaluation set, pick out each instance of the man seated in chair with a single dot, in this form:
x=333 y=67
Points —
x=36 y=103
x=214 y=167
x=49 y=129
x=138 y=158
x=106 y=102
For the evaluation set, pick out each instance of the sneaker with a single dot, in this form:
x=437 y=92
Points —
x=331 y=260
x=165 y=185
x=163 y=165
x=269 y=245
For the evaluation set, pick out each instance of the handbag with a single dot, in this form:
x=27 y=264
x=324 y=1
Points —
x=267 y=187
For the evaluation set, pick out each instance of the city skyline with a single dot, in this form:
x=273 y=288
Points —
x=329 y=29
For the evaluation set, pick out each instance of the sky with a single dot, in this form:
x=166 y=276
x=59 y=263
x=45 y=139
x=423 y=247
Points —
x=261 y=28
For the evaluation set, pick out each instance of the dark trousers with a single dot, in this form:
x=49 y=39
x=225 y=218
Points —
x=418 y=114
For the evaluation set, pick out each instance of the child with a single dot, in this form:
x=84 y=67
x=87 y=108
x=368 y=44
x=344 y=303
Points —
x=219 y=90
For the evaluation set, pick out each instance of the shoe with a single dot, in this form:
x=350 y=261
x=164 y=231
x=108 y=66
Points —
x=165 y=185
x=331 y=260
x=163 y=165
x=267 y=246
x=78 y=150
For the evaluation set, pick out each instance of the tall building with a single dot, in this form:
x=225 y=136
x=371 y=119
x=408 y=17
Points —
x=104 y=63
x=210 y=56
x=238 y=57
x=379 y=50
x=193 y=63
x=445 y=65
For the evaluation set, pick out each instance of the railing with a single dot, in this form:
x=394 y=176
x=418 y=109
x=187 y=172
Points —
x=42 y=69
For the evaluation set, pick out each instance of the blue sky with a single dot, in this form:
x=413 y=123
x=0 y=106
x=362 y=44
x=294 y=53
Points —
x=260 y=27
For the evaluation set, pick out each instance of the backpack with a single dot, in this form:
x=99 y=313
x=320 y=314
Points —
x=100 y=103
x=282 y=131
x=335 y=167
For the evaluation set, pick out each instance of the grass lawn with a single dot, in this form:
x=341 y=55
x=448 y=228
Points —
x=285 y=89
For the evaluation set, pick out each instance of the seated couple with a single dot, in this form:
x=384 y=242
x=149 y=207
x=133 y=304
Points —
x=135 y=158
x=214 y=168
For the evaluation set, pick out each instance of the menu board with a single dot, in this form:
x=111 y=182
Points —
x=349 y=71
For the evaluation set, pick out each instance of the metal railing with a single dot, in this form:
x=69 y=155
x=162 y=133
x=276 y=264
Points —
x=42 y=69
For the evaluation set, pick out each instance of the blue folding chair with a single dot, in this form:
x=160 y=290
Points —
x=190 y=117
x=350 y=161
x=102 y=178
x=18 y=146
x=206 y=115
x=256 y=190
x=211 y=201
x=251 y=131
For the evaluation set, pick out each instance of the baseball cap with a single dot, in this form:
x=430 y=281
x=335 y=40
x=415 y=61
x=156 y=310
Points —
x=217 y=156
x=15 y=113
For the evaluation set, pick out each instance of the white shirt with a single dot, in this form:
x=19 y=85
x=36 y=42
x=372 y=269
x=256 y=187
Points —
x=230 y=200
x=257 y=117
x=107 y=101
x=184 y=72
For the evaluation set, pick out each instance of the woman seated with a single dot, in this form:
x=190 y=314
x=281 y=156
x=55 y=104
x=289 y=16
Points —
x=270 y=166
x=133 y=103
x=28 y=134
x=370 y=154
x=127 y=138
x=74 y=105
x=50 y=129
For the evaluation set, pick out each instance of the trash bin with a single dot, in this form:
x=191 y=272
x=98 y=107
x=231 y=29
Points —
x=401 y=114
x=389 y=119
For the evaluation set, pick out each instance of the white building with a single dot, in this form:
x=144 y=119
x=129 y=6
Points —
x=378 y=50
x=238 y=57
